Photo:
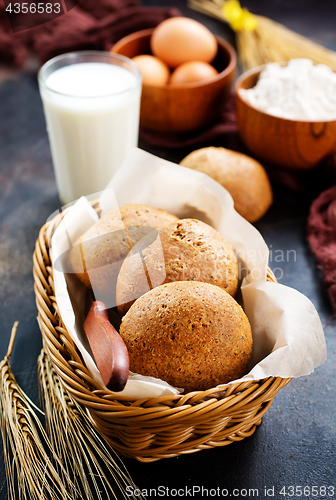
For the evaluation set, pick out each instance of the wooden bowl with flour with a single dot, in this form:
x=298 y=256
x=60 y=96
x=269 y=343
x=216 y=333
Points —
x=293 y=144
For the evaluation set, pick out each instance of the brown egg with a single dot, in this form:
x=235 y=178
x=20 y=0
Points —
x=154 y=71
x=180 y=39
x=192 y=71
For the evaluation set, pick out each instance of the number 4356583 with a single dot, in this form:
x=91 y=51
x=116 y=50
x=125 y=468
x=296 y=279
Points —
x=32 y=8
x=307 y=491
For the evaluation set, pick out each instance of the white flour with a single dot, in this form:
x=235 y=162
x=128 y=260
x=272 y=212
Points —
x=298 y=91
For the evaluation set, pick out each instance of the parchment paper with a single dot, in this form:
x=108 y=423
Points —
x=287 y=332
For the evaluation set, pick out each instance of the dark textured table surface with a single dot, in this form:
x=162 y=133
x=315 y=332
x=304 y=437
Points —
x=296 y=442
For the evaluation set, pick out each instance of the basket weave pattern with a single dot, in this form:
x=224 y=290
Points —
x=152 y=428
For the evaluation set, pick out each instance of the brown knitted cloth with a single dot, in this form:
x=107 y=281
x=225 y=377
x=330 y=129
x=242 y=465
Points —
x=321 y=232
x=91 y=24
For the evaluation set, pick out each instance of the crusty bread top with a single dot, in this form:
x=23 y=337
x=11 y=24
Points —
x=191 y=334
x=244 y=178
x=192 y=251
x=109 y=241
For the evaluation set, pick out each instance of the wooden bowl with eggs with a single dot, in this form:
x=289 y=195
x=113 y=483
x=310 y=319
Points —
x=293 y=144
x=186 y=106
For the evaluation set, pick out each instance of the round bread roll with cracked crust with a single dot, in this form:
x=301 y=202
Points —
x=192 y=251
x=143 y=215
x=97 y=255
x=244 y=178
x=190 y=334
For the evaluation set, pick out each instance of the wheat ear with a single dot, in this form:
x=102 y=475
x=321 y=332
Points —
x=29 y=467
x=81 y=450
x=269 y=41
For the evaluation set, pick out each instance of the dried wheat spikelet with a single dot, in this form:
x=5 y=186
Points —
x=261 y=40
x=81 y=450
x=29 y=459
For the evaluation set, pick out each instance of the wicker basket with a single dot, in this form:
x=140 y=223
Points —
x=152 y=428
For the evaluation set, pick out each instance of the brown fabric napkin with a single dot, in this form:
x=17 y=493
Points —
x=321 y=231
x=90 y=25
x=224 y=127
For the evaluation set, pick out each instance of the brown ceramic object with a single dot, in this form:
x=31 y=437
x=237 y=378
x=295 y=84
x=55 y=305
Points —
x=181 y=108
x=108 y=348
x=288 y=143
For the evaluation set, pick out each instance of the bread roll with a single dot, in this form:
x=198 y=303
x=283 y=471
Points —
x=192 y=251
x=193 y=335
x=142 y=215
x=98 y=254
x=244 y=178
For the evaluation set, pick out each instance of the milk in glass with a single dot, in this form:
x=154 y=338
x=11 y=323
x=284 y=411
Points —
x=92 y=115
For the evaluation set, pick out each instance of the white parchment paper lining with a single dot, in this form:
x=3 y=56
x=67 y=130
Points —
x=287 y=332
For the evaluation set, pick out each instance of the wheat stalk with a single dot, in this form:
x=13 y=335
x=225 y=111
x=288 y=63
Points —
x=69 y=461
x=80 y=448
x=269 y=41
x=28 y=464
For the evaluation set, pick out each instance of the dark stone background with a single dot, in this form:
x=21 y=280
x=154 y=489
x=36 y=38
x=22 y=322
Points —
x=295 y=445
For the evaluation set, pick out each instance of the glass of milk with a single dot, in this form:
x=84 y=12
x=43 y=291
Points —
x=91 y=101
